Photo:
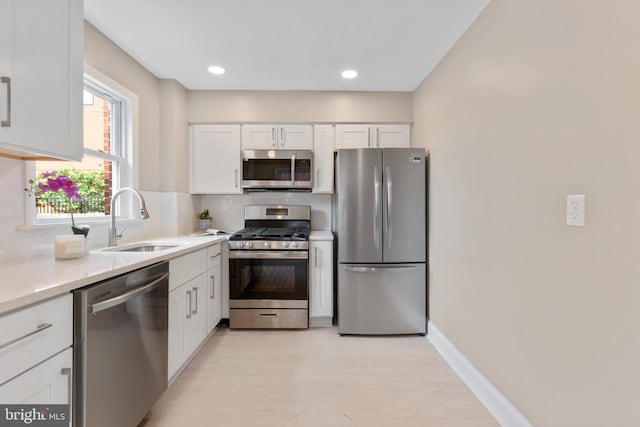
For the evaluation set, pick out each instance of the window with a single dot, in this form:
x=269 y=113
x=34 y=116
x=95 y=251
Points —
x=107 y=162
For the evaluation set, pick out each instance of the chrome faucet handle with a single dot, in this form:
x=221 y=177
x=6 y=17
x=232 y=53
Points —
x=119 y=235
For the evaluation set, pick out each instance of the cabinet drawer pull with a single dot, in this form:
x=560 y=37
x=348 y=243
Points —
x=195 y=291
x=190 y=305
x=39 y=329
x=268 y=314
x=7 y=123
x=67 y=372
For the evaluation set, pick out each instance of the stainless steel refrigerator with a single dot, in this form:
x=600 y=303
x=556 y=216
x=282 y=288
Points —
x=380 y=220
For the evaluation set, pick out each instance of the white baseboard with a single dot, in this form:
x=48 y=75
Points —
x=496 y=403
x=321 y=321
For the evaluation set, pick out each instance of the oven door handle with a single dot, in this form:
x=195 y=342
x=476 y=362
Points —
x=269 y=254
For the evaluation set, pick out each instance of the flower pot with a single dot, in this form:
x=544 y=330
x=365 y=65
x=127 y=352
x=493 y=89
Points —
x=69 y=246
x=203 y=224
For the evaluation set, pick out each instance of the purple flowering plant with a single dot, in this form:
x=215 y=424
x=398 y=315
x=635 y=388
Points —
x=54 y=182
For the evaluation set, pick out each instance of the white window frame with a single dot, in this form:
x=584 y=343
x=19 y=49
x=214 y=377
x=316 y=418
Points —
x=126 y=130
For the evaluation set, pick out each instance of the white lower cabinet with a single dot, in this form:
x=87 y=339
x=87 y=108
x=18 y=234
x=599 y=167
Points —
x=195 y=303
x=187 y=321
x=321 y=282
x=214 y=291
x=36 y=358
x=47 y=383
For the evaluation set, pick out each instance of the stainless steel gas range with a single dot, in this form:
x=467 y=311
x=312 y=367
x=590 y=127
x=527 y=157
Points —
x=269 y=269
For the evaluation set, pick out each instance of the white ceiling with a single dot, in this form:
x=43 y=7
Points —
x=287 y=44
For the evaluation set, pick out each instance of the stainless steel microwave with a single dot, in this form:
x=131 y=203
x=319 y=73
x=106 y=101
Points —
x=277 y=170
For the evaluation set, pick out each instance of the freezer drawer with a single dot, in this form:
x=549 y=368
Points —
x=382 y=299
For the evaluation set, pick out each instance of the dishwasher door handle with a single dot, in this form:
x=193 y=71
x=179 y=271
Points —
x=120 y=299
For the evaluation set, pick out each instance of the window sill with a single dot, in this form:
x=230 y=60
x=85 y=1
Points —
x=66 y=224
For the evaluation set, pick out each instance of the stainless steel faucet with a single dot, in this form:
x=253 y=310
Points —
x=144 y=214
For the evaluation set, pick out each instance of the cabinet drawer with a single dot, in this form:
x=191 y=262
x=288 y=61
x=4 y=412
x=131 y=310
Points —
x=213 y=256
x=186 y=267
x=30 y=335
x=47 y=383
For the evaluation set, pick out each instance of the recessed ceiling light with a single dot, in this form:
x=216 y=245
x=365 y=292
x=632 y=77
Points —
x=349 y=74
x=215 y=69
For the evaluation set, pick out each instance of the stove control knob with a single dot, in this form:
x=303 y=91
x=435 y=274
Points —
x=249 y=245
x=294 y=244
x=267 y=245
x=285 y=244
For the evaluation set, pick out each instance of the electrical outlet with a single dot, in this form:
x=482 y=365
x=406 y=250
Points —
x=575 y=210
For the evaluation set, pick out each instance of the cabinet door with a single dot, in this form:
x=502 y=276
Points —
x=46 y=105
x=324 y=145
x=215 y=159
x=393 y=136
x=224 y=264
x=214 y=296
x=47 y=383
x=6 y=43
x=259 y=137
x=353 y=136
x=197 y=323
x=321 y=273
x=295 y=137
x=178 y=312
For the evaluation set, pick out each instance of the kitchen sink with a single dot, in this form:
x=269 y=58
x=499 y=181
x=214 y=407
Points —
x=141 y=247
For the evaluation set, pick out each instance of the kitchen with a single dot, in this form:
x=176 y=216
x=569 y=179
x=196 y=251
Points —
x=515 y=93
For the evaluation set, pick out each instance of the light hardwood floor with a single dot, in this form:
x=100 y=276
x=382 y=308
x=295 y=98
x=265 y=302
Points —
x=316 y=378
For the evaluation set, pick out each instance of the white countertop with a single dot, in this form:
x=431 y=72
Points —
x=41 y=278
x=321 y=235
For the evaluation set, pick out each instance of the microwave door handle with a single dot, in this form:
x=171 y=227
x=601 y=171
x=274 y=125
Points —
x=293 y=169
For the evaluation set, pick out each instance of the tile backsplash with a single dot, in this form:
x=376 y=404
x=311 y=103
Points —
x=228 y=210
x=171 y=214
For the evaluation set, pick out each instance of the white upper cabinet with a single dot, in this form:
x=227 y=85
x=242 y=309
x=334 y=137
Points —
x=277 y=137
x=259 y=137
x=215 y=159
x=41 y=83
x=392 y=136
x=295 y=137
x=353 y=136
x=373 y=136
x=324 y=145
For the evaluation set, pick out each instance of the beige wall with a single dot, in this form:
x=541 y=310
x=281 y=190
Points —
x=538 y=100
x=103 y=55
x=174 y=133
x=298 y=106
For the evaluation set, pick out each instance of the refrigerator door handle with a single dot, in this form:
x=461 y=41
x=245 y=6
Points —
x=389 y=231
x=376 y=208
x=361 y=269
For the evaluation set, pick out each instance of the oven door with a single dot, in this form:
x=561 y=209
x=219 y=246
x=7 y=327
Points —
x=276 y=169
x=268 y=275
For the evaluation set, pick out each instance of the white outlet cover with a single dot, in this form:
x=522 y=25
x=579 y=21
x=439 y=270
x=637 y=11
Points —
x=576 y=210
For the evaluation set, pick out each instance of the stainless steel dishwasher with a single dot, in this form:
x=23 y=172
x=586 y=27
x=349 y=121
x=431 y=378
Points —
x=120 y=347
